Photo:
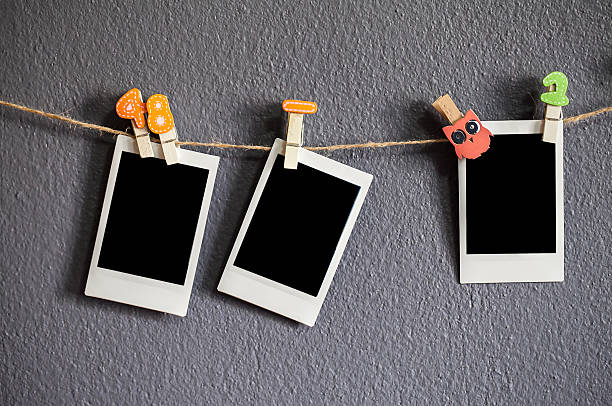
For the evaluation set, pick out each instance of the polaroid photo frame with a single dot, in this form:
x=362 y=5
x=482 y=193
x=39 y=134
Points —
x=511 y=207
x=151 y=228
x=294 y=233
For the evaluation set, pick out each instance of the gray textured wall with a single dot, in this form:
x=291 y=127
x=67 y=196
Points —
x=396 y=326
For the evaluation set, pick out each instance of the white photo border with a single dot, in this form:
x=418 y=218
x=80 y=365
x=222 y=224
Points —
x=137 y=290
x=497 y=268
x=275 y=296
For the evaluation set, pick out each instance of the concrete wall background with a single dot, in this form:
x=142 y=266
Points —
x=396 y=326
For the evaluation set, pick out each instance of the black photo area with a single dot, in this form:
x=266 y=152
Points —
x=152 y=219
x=510 y=197
x=296 y=226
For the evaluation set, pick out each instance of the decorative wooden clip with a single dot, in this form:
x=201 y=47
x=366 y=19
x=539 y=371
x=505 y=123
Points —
x=161 y=123
x=447 y=107
x=554 y=99
x=295 y=128
x=467 y=134
x=130 y=106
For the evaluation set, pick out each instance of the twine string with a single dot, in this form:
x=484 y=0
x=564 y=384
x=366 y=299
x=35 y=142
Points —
x=384 y=144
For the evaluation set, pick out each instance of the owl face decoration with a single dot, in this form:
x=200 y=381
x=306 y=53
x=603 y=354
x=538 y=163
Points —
x=468 y=136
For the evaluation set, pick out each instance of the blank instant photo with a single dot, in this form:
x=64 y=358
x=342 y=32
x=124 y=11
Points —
x=294 y=233
x=151 y=228
x=511 y=207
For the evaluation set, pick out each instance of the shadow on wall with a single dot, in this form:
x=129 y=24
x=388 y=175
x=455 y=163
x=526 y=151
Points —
x=265 y=127
x=518 y=99
x=103 y=106
x=99 y=160
x=266 y=124
x=430 y=123
x=421 y=121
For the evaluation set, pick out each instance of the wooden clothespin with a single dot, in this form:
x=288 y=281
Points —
x=447 y=107
x=295 y=128
x=130 y=106
x=466 y=133
x=161 y=123
x=554 y=99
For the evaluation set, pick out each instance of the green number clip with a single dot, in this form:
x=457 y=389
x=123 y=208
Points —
x=556 y=97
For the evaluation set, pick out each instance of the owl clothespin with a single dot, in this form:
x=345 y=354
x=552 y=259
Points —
x=161 y=122
x=130 y=106
x=295 y=128
x=554 y=99
x=466 y=133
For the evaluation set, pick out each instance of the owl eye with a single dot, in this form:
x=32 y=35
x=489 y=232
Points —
x=458 y=137
x=472 y=127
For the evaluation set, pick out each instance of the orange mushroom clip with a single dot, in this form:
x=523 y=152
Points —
x=295 y=128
